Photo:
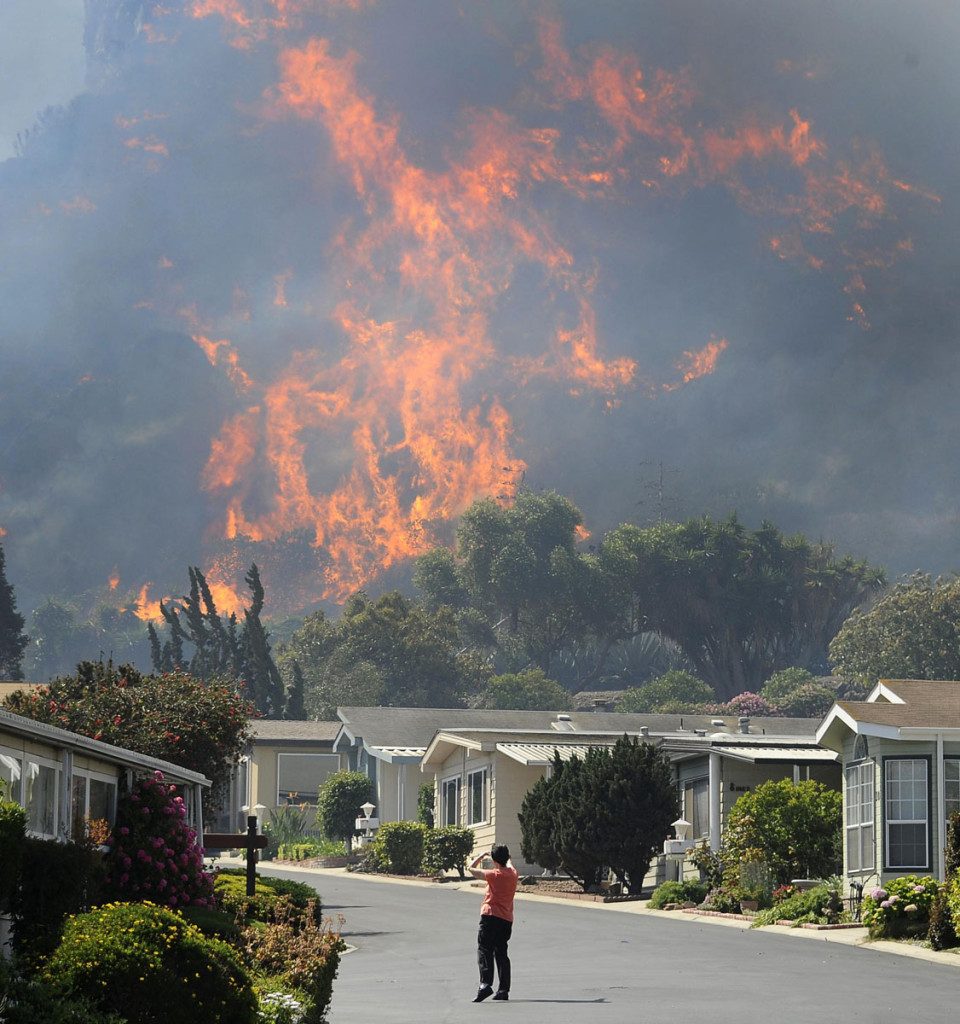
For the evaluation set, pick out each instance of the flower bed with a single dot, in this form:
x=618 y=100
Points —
x=901 y=908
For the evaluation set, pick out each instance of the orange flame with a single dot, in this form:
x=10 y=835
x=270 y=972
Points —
x=114 y=580
x=695 y=365
x=145 y=609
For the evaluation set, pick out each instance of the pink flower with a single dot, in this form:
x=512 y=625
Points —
x=124 y=831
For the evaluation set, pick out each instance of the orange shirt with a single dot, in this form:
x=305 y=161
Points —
x=498 y=899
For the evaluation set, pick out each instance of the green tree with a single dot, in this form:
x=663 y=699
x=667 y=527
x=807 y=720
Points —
x=612 y=808
x=338 y=804
x=525 y=691
x=785 y=682
x=912 y=632
x=425 y=803
x=796 y=826
x=812 y=700
x=13 y=640
x=519 y=567
x=670 y=689
x=199 y=726
x=739 y=604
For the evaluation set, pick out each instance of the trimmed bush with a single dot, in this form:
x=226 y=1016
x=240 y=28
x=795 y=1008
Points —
x=677 y=892
x=34 y=1001
x=63 y=878
x=338 y=804
x=901 y=907
x=230 y=892
x=398 y=847
x=447 y=848
x=311 y=847
x=149 y=965
x=155 y=854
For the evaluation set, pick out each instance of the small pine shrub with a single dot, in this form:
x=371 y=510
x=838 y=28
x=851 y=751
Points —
x=147 y=964
x=398 y=845
x=941 y=931
x=447 y=848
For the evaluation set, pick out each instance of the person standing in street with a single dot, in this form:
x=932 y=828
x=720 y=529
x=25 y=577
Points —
x=496 y=922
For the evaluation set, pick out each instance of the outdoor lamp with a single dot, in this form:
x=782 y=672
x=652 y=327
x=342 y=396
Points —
x=682 y=828
x=367 y=809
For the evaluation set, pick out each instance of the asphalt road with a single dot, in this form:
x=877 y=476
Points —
x=415 y=961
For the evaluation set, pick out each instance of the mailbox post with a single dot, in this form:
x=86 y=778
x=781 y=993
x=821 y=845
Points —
x=251 y=842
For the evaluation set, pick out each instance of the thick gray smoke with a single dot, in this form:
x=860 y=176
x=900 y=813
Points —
x=185 y=196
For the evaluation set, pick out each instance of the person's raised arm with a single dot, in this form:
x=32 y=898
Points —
x=475 y=868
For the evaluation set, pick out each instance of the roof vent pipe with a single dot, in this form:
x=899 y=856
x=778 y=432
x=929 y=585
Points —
x=644 y=730
x=744 y=724
x=718 y=722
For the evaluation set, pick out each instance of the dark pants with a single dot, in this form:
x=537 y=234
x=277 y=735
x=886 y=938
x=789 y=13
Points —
x=492 y=942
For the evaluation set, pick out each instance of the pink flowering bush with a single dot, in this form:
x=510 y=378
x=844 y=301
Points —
x=901 y=907
x=154 y=855
x=750 y=705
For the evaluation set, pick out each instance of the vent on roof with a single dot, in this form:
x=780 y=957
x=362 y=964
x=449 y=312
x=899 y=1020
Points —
x=744 y=724
x=562 y=723
x=644 y=730
x=717 y=722
x=700 y=732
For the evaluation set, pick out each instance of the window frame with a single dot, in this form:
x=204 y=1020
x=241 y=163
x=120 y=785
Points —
x=860 y=825
x=457 y=782
x=18 y=756
x=888 y=821
x=484 y=818
x=690 y=789
x=42 y=762
x=294 y=753
x=90 y=775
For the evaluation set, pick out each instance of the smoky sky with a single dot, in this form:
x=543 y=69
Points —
x=186 y=195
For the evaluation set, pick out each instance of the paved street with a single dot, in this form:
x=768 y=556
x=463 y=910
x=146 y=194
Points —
x=578 y=964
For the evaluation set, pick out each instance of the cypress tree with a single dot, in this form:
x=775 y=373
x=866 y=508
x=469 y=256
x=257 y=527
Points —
x=261 y=675
x=293 y=708
x=13 y=640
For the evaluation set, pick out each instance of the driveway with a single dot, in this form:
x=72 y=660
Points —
x=415 y=963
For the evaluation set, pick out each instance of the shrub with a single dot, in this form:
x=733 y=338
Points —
x=901 y=907
x=810 y=701
x=288 y=825
x=338 y=804
x=311 y=847
x=303 y=951
x=280 y=1008
x=425 y=798
x=230 y=892
x=723 y=898
x=671 y=688
x=757 y=881
x=796 y=827
x=214 y=923
x=820 y=905
x=13 y=839
x=447 y=848
x=398 y=846
x=155 y=854
x=64 y=878
x=34 y=1001
x=677 y=892
x=709 y=863
x=786 y=681
x=748 y=704
x=149 y=965
x=941 y=931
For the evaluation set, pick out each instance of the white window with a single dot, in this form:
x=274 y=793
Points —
x=300 y=776
x=477 y=802
x=40 y=796
x=951 y=785
x=450 y=801
x=860 y=833
x=906 y=812
x=11 y=768
x=696 y=806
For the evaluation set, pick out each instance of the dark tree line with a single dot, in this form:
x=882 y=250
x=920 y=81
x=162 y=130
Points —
x=13 y=640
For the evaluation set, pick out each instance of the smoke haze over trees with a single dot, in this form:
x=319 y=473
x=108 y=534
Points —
x=574 y=241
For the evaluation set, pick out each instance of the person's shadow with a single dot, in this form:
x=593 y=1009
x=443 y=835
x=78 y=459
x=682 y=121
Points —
x=600 y=1000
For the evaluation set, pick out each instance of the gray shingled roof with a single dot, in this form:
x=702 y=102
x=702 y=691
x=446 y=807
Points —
x=273 y=730
x=415 y=727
